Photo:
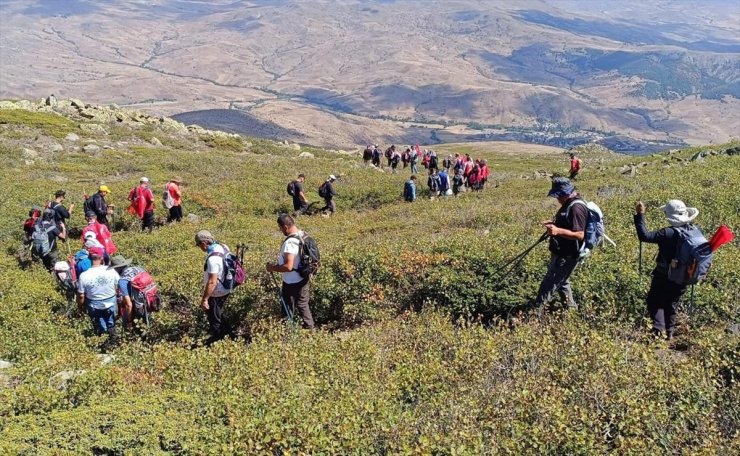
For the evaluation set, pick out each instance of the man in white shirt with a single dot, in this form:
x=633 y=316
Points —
x=295 y=289
x=215 y=294
x=96 y=289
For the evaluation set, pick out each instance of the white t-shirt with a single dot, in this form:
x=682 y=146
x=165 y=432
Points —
x=215 y=265
x=291 y=245
x=99 y=286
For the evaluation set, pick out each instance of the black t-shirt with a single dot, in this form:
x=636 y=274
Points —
x=574 y=219
x=297 y=189
x=61 y=214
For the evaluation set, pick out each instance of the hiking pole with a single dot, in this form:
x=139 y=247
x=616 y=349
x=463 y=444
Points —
x=288 y=313
x=519 y=258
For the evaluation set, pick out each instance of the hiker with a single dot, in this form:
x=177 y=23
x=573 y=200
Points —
x=215 y=294
x=376 y=156
x=406 y=157
x=664 y=295
x=327 y=192
x=295 y=288
x=459 y=163
x=389 y=153
x=447 y=163
x=295 y=189
x=458 y=182
x=61 y=213
x=96 y=291
x=575 y=166
x=30 y=224
x=395 y=160
x=82 y=261
x=136 y=289
x=474 y=178
x=433 y=163
x=44 y=239
x=414 y=160
x=90 y=240
x=433 y=183
x=102 y=234
x=142 y=204
x=566 y=232
x=97 y=204
x=173 y=192
x=484 y=172
x=367 y=155
x=444 y=183
x=409 y=189
x=467 y=169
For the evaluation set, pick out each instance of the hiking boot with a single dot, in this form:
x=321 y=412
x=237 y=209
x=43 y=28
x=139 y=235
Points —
x=670 y=334
x=657 y=333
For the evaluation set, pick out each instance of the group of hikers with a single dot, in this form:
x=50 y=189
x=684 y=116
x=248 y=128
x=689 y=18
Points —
x=110 y=288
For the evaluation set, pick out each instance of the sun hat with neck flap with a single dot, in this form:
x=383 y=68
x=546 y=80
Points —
x=678 y=214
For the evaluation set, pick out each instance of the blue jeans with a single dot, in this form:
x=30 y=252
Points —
x=414 y=169
x=104 y=320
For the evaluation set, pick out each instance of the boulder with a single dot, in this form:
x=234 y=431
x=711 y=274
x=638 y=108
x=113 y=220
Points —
x=72 y=137
x=91 y=149
x=734 y=329
x=29 y=154
x=51 y=100
x=5 y=364
x=154 y=141
x=296 y=146
x=59 y=380
x=93 y=128
x=75 y=103
x=56 y=147
x=306 y=155
x=7 y=104
x=192 y=218
x=105 y=358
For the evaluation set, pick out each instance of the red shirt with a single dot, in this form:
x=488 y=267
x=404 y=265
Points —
x=144 y=200
x=102 y=234
x=575 y=164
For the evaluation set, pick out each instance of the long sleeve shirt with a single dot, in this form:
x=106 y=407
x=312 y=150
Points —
x=667 y=239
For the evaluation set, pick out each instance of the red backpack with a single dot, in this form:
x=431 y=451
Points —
x=144 y=293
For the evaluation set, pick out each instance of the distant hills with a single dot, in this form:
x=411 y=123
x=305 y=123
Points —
x=352 y=72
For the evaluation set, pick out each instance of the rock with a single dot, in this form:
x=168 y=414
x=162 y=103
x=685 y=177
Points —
x=93 y=128
x=247 y=145
x=699 y=156
x=29 y=162
x=296 y=146
x=734 y=329
x=72 y=137
x=192 y=218
x=5 y=364
x=58 y=178
x=733 y=151
x=285 y=142
x=76 y=103
x=59 y=381
x=306 y=155
x=29 y=154
x=154 y=141
x=51 y=100
x=91 y=149
x=114 y=107
x=7 y=104
x=105 y=358
x=56 y=147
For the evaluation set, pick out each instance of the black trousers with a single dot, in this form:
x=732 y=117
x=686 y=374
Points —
x=296 y=295
x=175 y=214
x=219 y=327
x=662 y=301
x=147 y=222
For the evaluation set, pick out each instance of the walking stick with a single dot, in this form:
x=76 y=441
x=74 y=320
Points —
x=288 y=313
x=519 y=258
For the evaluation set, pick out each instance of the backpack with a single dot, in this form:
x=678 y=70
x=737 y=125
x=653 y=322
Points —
x=82 y=261
x=30 y=223
x=167 y=200
x=308 y=251
x=234 y=274
x=291 y=188
x=40 y=237
x=692 y=259
x=323 y=192
x=408 y=191
x=594 y=233
x=144 y=294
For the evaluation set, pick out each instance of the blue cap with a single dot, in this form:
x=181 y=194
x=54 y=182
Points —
x=561 y=186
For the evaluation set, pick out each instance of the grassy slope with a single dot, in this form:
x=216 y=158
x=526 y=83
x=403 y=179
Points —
x=414 y=383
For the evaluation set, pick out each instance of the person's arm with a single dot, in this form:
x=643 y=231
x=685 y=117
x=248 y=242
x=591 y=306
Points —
x=578 y=219
x=553 y=230
x=63 y=233
x=643 y=234
x=285 y=267
x=208 y=290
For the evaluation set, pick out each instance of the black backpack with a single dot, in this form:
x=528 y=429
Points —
x=291 y=188
x=308 y=251
x=323 y=192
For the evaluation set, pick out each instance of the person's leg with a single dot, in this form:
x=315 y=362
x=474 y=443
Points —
x=95 y=319
x=556 y=279
x=302 y=296
x=147 y=223
x=332 y=206
x=654 y=303
x=178 y=213
x=673 y=297
x=171 y=215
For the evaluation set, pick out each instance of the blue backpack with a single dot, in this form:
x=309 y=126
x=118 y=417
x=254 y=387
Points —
x=594 y=233
x=693 y=257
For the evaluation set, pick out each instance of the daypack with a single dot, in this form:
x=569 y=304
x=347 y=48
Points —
x=308 y=251
x=693 y=257
x=167 y=200
x=40 y=237
x=323 y=192
x=408 y=191
x=234 y=274
x=82 y=262
x=30 y=223
x=594 y=233
x=87 y=205
x=291 y=188
x=144 y=294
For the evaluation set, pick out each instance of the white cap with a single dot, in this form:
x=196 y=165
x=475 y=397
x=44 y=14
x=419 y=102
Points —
x=90 y=235
x=332 y=177
x=144 y=179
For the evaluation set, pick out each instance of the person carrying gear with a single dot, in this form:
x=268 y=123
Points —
x=96 y=291
x=102 y=234
x=44 y=239
x=327 y=192
x=575 y=166
x=62 y=214
x=295 y=189
x=142 y=204
x=215 y=294
x=99 y=206
x=173 y=193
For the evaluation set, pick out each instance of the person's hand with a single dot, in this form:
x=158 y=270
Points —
x=268 y=267
x=71 y=206
x=204 y=304
x=640 y=208
x=547 y=222
x=552 y=230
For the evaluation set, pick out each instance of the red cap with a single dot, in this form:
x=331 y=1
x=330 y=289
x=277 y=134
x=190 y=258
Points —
x=96 y=251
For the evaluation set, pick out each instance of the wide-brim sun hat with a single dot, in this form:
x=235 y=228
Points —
x=678 y=214
x=118 y=262
x=561 y=187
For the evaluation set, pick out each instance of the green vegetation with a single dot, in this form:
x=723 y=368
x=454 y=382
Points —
x=412 y=358
x=48 y=123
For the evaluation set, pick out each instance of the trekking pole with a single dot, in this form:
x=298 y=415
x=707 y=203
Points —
x=639 y=270
x=288 y=313
x=519 y=258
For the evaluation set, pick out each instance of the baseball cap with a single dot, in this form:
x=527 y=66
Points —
x=144 y=179
x=332 y=177
x=96 y=252
x=89 y=214
x=104 y=188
